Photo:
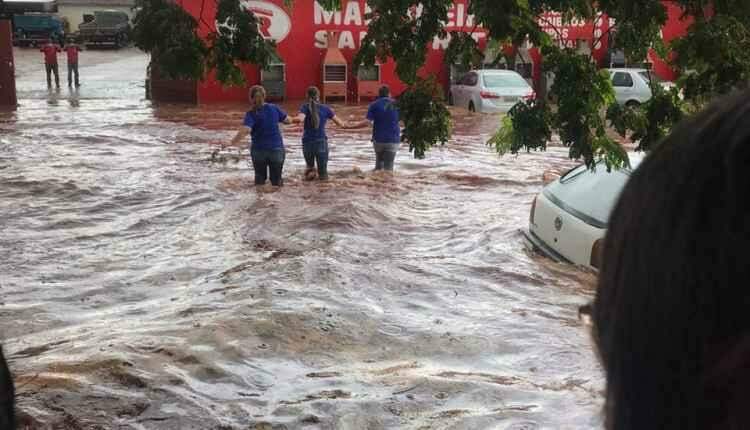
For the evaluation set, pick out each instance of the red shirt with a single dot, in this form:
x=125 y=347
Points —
x=50 y=53
x=72 y=51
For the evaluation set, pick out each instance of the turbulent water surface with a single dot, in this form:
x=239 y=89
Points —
x=144 y=286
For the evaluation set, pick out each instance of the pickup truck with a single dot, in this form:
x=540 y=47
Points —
x=36 y=28
x=108 y=28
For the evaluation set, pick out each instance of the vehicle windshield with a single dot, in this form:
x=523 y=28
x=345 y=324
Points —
x=592 y=193
x=108 y=18
x=504 y=81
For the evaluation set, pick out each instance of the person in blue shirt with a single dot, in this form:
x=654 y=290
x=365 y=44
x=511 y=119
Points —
x=314 y=115
x=266 y=143
x=386 y=129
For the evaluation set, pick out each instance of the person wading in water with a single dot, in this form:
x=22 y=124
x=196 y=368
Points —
x=267 y=143
x=314 y=115
x=386 y=131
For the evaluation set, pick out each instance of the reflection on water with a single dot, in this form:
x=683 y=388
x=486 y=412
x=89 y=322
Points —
x=146 y=287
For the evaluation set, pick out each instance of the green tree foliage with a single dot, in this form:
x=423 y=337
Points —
x=712 y=59
x=165 y=30
x=237 y=40
x=651 y=122
x=426 y=118
x=526 y=126
x=463 y=49
x=402 y=29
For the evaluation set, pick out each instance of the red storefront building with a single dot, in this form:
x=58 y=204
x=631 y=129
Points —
x=301 y=33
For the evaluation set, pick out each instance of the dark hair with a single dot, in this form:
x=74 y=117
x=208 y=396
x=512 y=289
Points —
x=313 y=102
x=672 y=310
x=384 y=91
x=7 y=395
x=258 y=96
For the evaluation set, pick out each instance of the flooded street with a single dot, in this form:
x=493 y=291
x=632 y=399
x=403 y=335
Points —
x=143 y=286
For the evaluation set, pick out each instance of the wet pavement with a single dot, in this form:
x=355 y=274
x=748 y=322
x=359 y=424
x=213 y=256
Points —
x=144 y=286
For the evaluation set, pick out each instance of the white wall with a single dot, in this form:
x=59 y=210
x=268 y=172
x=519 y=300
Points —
x=74 y=14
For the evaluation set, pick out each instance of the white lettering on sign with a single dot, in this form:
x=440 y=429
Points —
x=323 y=16
x=459 y=19
x=353 y=15
x=443 y=43
x=352 y=18
x=275 y=23
x=346 y=41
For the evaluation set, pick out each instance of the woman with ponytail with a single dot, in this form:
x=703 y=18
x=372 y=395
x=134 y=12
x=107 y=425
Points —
x=314 y=140
x=267 y=144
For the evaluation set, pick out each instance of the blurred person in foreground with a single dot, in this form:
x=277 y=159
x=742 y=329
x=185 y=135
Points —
x=7 y=396
x=671 y=317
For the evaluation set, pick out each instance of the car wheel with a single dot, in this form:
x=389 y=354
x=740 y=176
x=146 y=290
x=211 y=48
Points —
x=471 y=107
x=633 y=104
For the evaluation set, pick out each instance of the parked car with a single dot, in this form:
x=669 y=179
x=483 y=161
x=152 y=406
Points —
x=632 y=85
x=569 y=217
x=108 y=28
x=36 y=28
x=490 y=91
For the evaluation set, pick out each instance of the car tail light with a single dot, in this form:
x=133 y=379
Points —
x=531 y=96
x=596 y=254
x=533 y=211
x=489 y=95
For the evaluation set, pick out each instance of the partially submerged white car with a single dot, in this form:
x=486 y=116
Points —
x=569 y=217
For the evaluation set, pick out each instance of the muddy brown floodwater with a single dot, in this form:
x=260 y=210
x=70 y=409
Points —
x=146 y=287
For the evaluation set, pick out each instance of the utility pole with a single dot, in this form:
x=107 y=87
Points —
x=7 y=66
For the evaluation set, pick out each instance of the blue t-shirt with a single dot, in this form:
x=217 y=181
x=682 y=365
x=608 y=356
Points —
x=315 y=134
x=264 y=123
x=384 y=115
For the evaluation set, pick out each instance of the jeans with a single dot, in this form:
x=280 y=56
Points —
x=52 y=68
x=73 y=69
x=385 y=155
x=265 y=161
x=317 y=151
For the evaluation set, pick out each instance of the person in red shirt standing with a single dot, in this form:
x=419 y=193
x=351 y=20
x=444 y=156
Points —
x=50 y=50
x=72 y=50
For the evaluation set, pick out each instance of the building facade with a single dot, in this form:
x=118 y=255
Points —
x=301 y=34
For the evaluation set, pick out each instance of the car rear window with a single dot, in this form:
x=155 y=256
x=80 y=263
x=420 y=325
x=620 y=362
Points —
x=505 y=81
x=590 y=193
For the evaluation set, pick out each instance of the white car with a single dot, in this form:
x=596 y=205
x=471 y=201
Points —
x=490 y=91
x=632 y=85
x=569 y=217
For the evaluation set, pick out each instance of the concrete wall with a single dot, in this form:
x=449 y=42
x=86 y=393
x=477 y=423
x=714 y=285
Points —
x=74 y=13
